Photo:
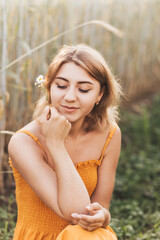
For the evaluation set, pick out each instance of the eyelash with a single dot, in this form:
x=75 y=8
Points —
x=81 y=90
x=62 y=87
x=84 y=91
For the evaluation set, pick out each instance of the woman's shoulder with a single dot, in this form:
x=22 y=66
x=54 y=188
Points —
x=107 y=129
x=114 y=127
x=25 y=144
x=26 y=134
x=111 y=132
x=32 y=127
x=105 y=133
x=114 y=132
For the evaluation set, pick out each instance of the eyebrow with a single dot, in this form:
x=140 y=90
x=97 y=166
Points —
x=80 y=82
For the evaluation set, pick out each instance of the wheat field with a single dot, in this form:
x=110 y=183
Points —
x=26 y=24
x=135 y=58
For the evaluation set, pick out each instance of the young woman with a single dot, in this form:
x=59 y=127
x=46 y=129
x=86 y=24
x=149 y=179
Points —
x=64 y=161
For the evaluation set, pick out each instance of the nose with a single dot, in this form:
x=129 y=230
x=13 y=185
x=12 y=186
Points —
x=70 y=95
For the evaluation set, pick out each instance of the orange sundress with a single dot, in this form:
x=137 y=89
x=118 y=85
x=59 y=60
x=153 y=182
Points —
x=36 y=221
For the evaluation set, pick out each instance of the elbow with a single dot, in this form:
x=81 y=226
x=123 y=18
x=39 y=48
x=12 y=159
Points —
x=65 y=215
x=75 y=208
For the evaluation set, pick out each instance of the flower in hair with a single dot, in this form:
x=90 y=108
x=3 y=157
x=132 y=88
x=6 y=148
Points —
x=39 y=80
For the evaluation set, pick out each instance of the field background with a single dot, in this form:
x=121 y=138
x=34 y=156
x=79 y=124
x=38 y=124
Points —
x=135 y=60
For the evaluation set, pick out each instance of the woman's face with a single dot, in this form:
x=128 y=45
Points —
x=74 y=93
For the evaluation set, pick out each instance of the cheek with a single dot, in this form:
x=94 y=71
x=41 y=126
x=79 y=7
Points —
x=54 y=96
x=89 y=103
x=90 y=99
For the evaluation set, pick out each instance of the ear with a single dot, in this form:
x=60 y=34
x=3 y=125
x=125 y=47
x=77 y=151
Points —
x=100 y=94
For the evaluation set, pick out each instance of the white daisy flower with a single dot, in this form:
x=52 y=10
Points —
x=39 y=80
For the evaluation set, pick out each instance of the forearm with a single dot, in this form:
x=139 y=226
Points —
x=72 y=195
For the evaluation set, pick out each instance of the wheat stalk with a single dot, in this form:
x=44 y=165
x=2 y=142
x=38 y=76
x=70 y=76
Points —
x=107 y=26
x=2 y=172
x=6 y=132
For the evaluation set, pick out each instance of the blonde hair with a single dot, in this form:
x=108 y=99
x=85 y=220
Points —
x=94 y=64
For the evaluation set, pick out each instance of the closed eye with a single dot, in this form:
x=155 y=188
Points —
x=84 y=91
x=61 y=86
x=81 y=90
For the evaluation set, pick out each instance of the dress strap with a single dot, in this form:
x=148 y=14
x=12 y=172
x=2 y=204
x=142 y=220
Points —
x=111 y=133
x=32 y=136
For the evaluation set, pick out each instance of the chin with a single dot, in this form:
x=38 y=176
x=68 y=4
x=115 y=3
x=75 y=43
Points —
x=71 y=119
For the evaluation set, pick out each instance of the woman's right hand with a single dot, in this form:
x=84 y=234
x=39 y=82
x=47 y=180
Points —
x=54 y=126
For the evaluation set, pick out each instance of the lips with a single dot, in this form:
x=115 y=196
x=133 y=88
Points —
x=69 y=108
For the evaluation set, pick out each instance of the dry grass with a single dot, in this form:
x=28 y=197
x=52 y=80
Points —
x=135 y=58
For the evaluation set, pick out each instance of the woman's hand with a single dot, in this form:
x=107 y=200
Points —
x=98 y=217
x=54 y=126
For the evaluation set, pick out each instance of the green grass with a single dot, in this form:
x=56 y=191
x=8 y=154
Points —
x=7 y=216
x=135 y=205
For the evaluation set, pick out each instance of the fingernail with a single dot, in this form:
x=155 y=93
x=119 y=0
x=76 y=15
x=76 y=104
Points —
x=74 y=215
x=88 y=207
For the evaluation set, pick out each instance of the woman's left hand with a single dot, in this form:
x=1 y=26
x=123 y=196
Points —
x=98 y=217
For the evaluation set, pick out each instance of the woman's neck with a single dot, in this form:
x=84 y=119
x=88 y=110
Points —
x=76 y=130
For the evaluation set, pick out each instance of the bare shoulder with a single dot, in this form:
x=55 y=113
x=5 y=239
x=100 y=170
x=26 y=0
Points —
x=20 y=142
x=113 y=131
x=117 y=134
x=32 y=127
x=113 y=149
x=115 y=141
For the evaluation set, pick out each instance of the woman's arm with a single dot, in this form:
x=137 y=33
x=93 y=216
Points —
x=99 y=208
x=63 y=189
x=107 y=171
x=71 y=191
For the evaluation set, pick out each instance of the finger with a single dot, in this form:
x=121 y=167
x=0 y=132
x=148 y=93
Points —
x=74 y=222
x=87 y=218
x=68 y=123
x=93 y=206
x=84 y=226
x=88 y=228
x=54 y=113
x=76 y=216
x=44 y=114
x=63 y=118
x=65 y=121
x=98 y=217
x=90 y=224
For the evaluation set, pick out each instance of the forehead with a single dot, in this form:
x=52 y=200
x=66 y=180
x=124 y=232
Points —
x=73 y=72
